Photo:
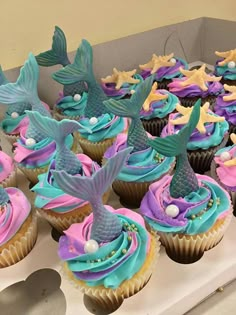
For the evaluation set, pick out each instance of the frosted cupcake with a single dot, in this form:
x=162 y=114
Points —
x=196 y=84
x=57 y=207
x=190 y=212
x=121 y=84
x=210 y=135
x=164 y=69
x=111 y=255
x=72 y=100
x=156 y=109
x=18 y=226
x=226 y=66
x=104 y=126
x=7 y=171
x=223 y=169
x=144 y=165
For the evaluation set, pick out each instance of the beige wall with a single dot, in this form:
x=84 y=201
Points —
x=28 y=25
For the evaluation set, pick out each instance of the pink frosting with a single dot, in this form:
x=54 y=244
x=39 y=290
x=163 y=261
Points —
x=226 y=174
x=6 y=166
x=13 y=215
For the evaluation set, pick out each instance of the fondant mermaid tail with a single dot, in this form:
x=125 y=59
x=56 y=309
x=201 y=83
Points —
x=137 y=136
x=65 y=159
x=24 y=90
x=82 y=70
x=184 y=180
x=4 y=198
x=106 y=225
x=3 y=79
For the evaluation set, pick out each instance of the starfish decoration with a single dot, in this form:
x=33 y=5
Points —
x=153 y=97
x=231 y=89
x=157 y=62
x=205 y=117
x=121 y=77
x=198 y=77
x=229 y=55
x=231 y=162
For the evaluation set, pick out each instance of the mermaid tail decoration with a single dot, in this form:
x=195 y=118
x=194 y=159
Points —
x=4 y=198
x=58 y=56
x=65 y=159
x=106 y=225
x=25 y=91
x=137 y=136
x=82 y=70
x=184 y=180
x=3 y=79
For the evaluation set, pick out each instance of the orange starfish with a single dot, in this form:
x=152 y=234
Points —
x=198 y=77
x=121 y=77
x=153 y=97
x=232 y=89
x=157 y=62
x=205 y=117
x=229 y=55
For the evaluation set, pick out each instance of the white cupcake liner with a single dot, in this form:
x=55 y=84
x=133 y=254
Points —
x=11 y=180
x=21 y=247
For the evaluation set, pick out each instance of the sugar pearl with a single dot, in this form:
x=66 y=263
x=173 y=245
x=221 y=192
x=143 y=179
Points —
x=91 y=246
x=77 y=97
x=173 y=60
x=132 y=91
x=14 y=115
x=30 y=141
x=225 y=156
x=172 y=211
x=231 y=64
x=93 y=120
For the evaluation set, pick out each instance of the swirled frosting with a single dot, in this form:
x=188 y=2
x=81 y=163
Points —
x=226 y=109
x=225 y=71
x=214 y=135
x=160 y=108
x=193 y=90
x=126 y=89
x=38 y=155
x=114 y=262
x=198 y=211
x=166 y=73
x=6 y=166
x=69 y=106
x=106 y=127
x=50 y=197
x=142 y=166
x=13 y=214
x=226 y=174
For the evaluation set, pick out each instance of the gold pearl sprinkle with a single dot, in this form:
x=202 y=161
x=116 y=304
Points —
x=193 y=216
x=124 y=251
x=220 y=289
x=129 y=238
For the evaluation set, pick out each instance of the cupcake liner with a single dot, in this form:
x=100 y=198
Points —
x=227 y=81
x=163 y=85
x=10 y=181
x=155 y=125
x=200 y=160
x=32 y=173
x=21 y=246
x=187 y=249
x=190 y=101
x=110 y=299
x=58 y=116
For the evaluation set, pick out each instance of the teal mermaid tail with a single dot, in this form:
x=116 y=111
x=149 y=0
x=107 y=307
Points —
x=3 y=79
x=184 y=180
x=106 y=225
x=4 y=198
x=137 y=136
x=82 y=70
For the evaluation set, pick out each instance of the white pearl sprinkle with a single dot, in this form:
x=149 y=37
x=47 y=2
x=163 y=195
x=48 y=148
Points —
x=231 y=64
x=77 y=97
x=91 y=246
x=225 y=156
x=132 y=92
x=93 y=120
x=173 y=60
x=172 y=211
x=30 y=141
x=14 y=115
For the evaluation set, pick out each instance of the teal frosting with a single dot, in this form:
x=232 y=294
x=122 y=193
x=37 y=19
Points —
x=160 y=109
x=107 y=126
x=9 y=124
x=69 y=107
x=226 y=72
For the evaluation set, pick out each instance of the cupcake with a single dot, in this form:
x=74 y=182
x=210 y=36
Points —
x=189 y=211
x=57 y=207
x=33 y=152
x=164 y=69
x=110 y=256
x=156 y=109
x=226 y=66
x=18 y=226
x=104 y=126
x=72 y=100
x=210 y=135
x=223 y=169
x=121 y=84
x=7 y=171
x=194 y=85
x=143 y=165
x=226 y=106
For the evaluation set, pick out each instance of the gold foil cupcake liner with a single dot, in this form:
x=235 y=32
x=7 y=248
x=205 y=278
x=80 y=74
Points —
x=32 y=173
x=11 y=138
x=60 y=117
x=21 y=247
x=10 y=181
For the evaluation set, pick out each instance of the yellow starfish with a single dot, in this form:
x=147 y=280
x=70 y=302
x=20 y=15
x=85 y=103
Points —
x=121 y=77
x=233 y=137
x=153 y=97
x=157 y=62
x=231 y=89
x=229 y=55
x=205 y=117
x=198 y=77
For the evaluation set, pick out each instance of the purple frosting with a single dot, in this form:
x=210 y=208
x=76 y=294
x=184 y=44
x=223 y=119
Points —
x=226 y=109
